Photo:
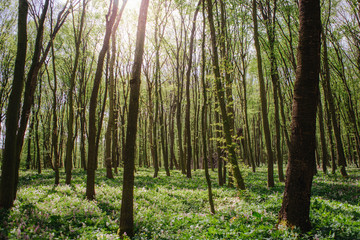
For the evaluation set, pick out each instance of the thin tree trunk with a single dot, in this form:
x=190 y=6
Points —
x=54 y=135
x=330 y=100
x=92 y=151
x=221 y=99
x=30 y=133
x=163 y=136
x=270 y=160
x=221 y=178
x=324 y=150
x=111 y=122
x=37 y=138
x=39 y=58
x=127 y=201
x=270 y=18
x=204 y=118
x=227 y=66
x=157 y=80
x=70 y=122
x=187 y=92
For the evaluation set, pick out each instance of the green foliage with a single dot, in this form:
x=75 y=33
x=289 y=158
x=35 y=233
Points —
x=177 y=208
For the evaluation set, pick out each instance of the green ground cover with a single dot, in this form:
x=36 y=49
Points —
x=177 y=208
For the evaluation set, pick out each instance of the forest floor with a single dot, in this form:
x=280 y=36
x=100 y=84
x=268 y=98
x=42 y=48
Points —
x=177 y=208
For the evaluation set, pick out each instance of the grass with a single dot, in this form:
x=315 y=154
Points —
x=177 y=208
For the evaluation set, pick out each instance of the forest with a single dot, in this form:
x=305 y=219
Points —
x=180 y=119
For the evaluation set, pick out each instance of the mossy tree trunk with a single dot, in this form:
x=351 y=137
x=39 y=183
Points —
x=239 y=181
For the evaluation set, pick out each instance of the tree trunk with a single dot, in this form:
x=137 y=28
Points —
x=39 y=58
x=220 y=162
x=30 y=133
x=127 y=201
x=37 y=139
x=270 y=160
x=330 y=100
x=187 y=92
x=54 y=135
x=324 y=150
x=70 y=121
x=92 y=151
x=221 y=99
x=109 y=135
x=173 y=161
x=8 y=179
x=270 y=22
x=204 y=118
x=301 y=167
x=163 y=136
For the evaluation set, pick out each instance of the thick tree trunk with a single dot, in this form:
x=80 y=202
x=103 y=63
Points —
x=127 y=201
x=301 y=167
x=8 y=179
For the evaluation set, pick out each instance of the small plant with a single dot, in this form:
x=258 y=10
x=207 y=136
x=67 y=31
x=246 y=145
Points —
x=177 y=208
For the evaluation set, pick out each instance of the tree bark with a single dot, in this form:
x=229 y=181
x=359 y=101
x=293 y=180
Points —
x=109 y=135
x=329 y=98
x=301 y=167
x=127 y=201
x=30 y=133
x=204 y=118
x=173 y=161
x=70 y=122
x=54 y=135
x=187 y=93
x=163 y=135
x=8 y=179
x=221 y=99
x=324 y=150
x=270 y=21
x=264 y=112
x=39 y=58
x=92 y=151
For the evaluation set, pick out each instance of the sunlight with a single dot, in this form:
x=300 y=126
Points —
x=132 y=4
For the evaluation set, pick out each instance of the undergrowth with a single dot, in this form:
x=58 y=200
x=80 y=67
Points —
x=176 y=207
